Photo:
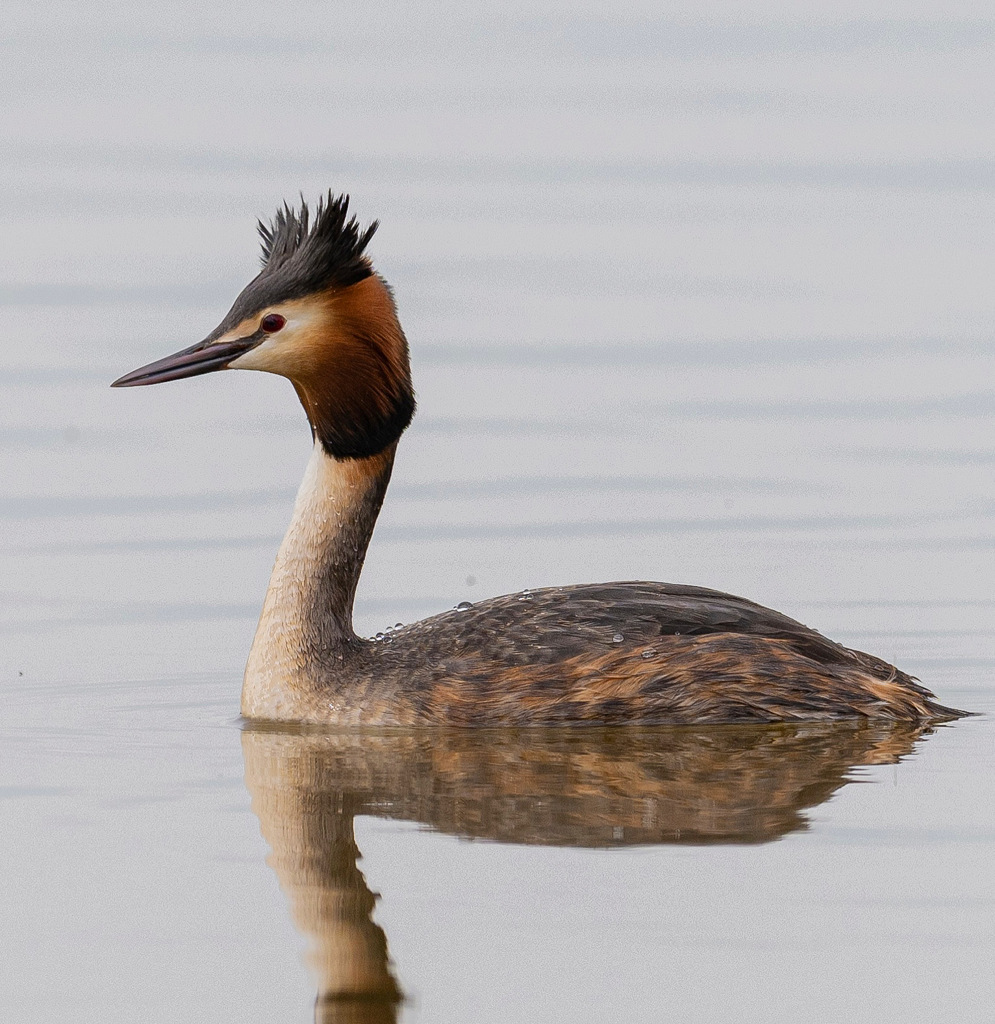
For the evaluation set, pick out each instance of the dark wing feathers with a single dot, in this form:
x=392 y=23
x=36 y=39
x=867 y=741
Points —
x=555 y=624
x=646 y=610
x=614 y=653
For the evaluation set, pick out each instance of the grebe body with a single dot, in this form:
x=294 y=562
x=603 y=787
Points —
x=615 y=653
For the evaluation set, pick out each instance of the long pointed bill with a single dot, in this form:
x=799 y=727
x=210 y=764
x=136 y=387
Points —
x=204 y=357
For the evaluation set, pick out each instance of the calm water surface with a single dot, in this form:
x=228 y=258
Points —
x=703 y=301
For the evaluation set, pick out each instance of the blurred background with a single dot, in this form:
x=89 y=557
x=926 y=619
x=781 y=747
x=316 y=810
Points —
x=701 y=296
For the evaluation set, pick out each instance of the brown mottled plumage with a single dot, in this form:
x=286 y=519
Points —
x=609 y=654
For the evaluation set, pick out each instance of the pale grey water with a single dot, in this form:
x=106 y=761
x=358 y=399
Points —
x=705 y=300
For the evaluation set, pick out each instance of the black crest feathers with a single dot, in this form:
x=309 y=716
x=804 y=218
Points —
x=302 y=257
x=310 y=257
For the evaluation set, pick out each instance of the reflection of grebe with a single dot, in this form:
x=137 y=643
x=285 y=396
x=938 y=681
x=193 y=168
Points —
x=539 y=787
x=605 y=653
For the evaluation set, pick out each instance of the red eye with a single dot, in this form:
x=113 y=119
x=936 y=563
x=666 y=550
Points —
x=272 y=322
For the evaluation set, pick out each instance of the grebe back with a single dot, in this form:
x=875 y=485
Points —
x=615 y=653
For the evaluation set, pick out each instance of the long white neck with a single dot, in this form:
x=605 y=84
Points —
x=305 y=629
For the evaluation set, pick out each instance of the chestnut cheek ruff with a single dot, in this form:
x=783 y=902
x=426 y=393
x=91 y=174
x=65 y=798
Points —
x=360 y=400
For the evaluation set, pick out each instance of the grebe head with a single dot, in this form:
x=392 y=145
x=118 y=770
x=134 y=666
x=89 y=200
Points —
x=318 y=315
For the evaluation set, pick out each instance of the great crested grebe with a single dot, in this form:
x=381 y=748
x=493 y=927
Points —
x=610 y=653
